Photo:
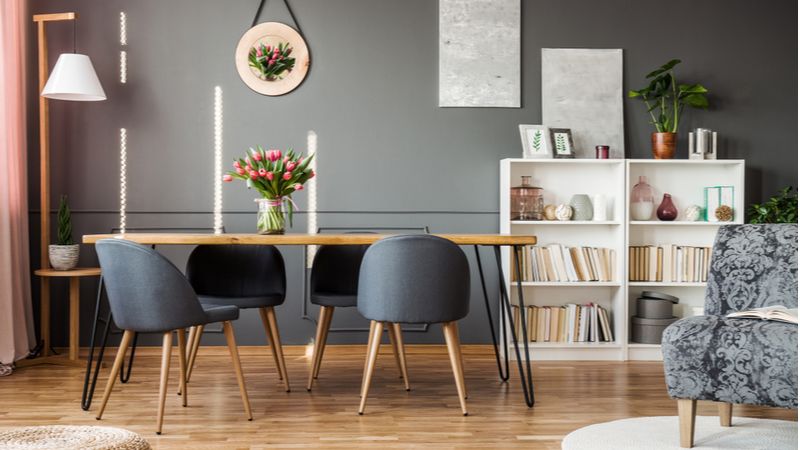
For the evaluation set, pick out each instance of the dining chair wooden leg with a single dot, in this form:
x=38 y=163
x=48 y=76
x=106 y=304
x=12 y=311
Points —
x=396 y=338
x=270 y=342
x=227 y=328
x=372 y=325
x=461 y=360
x=277 y=348
x=376 y=333
x=182 y=365
x=687 y=409
x=127 y=337
x=328 y=320
x=194 y=346
x=319 y=343
x=454 y=349
x=725 y=414
x=166 y=353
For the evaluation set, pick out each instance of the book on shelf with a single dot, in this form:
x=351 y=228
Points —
x=668 y=263
x=569 y=323
x=778 y=313
x=560 y=263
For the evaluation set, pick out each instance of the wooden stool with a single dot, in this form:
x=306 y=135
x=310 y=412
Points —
x=74 y=276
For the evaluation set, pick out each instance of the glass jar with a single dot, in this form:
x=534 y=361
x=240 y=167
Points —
x=642 y=201
x=270 y=216
x=526 y=201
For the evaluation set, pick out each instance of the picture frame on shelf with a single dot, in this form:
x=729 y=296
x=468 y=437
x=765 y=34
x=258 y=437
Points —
x=561 y=142
x=535 y=141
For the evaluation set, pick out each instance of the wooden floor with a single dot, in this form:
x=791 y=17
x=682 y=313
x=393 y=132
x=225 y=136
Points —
x=569 y=395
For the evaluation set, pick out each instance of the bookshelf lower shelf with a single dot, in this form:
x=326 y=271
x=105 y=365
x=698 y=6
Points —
x=666 y=284
x=577 y=351
x=569 y=283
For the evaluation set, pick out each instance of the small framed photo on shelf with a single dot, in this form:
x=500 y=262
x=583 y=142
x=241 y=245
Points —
x=561 y=140
x=535 y=141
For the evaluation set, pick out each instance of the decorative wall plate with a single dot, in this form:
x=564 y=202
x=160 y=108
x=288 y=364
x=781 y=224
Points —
x=272 y=58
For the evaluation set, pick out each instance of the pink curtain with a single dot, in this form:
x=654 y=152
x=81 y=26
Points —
x=16 y=318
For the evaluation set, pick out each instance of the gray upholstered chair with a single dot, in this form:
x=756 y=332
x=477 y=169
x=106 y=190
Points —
x=246 y=276
x=148 y=294
x=746 y=361
x=334 y=284
x=414 y=279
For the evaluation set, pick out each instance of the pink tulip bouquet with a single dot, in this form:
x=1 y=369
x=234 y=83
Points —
x=276 y=177
x=271 y=62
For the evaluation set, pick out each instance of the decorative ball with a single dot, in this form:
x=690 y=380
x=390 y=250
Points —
x=724 y=213
x=564 y=212
x=692 y=213
x=550 y=212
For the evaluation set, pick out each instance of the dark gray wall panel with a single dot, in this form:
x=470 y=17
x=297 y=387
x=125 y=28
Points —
x=371 y=97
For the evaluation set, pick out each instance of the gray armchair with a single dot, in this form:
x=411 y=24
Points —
x=745 y=361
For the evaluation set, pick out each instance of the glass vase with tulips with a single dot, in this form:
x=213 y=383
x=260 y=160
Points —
x=276 y=176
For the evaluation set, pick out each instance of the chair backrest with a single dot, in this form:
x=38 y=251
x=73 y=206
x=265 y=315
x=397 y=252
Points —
x=335 y=269
x=147 y=293
x=752 y=266
x=414 y=279
x=236 y=270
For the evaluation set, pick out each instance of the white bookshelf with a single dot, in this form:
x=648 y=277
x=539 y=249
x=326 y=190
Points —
x=562 y=178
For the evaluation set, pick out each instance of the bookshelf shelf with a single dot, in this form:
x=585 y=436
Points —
x=538 y=345
x=679 y=223
x=565 y=223
x=665 y=284
x=684 y=180
x=570 y=284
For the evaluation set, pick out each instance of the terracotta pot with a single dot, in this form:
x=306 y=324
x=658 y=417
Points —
x=663 y=145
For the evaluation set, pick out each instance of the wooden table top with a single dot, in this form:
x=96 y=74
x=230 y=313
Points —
x=299 y=239
x=76 y=272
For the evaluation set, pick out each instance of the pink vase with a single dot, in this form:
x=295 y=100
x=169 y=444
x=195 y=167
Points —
x=642 y=200
x=667 y=210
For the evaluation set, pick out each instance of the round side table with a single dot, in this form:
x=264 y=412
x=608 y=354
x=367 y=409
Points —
x=74 y=276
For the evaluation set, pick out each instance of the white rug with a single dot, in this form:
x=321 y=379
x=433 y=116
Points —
x=657 y=433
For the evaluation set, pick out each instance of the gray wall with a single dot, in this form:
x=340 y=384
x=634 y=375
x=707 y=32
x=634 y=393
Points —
x=388 y=156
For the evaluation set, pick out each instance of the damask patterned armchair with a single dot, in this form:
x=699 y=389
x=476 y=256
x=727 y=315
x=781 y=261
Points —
x=747 y=361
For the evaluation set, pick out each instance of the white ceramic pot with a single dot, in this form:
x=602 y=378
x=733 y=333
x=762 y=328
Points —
x=64 y=257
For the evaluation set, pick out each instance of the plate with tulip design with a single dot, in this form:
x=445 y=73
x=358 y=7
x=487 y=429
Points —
x=272 y=58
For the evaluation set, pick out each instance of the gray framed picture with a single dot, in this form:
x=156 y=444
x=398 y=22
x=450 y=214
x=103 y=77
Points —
x=535 y=141
x=561 y=142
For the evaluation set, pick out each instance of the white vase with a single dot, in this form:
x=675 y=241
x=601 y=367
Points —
x=63 y=257
x=600 y=207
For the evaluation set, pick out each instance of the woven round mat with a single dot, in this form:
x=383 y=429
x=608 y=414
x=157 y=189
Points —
x=70 y=437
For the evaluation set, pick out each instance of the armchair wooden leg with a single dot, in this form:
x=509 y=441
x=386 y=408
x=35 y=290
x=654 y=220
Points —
x=725 y=414
x=454 y=349
x=166 y=353
x=227 y=328
x=271 y=327
x=396 y=338
x=376 y=332
x=182 y=365
x=323 y=325
x=461 y=360
x=687 y=409
x=127 y=337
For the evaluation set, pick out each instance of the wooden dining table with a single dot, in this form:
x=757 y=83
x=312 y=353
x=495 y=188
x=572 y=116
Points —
x=495 y=241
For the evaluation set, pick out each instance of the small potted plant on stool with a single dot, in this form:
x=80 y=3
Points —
x=64 y=254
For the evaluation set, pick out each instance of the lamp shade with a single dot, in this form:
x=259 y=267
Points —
x=74 y=78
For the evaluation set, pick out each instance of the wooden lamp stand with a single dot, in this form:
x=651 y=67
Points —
x=46 y=272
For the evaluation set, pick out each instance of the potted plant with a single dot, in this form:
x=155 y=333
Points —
x=665 y=99
x=276 y=177
x=781 y=208
x=64 y=254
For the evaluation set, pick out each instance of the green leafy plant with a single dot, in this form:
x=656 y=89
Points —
x=781 y=208
x=64 y=223
x=665 y=98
